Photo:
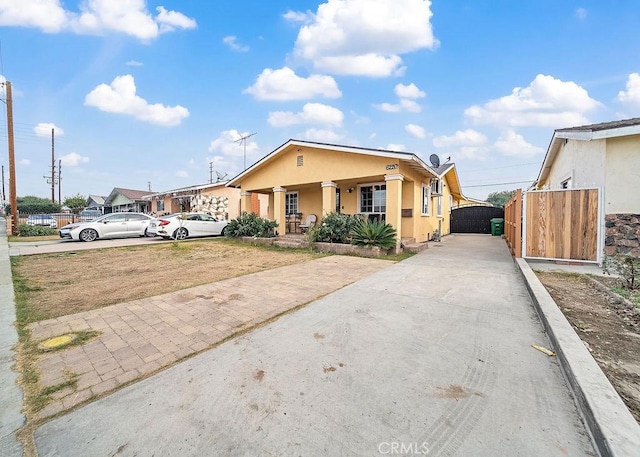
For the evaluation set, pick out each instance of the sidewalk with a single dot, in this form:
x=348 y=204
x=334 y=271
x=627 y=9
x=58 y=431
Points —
x=433 y=353
x=11 y=417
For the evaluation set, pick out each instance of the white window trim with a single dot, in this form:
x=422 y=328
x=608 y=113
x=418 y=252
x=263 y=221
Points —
x=369 y=184
x=439 y=206
x=428 y=200
x=296 y=193
x=450 y=202
x=437 y=183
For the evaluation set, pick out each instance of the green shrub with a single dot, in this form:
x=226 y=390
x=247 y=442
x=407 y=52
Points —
x=373 y=233
x=35 y=230
x=250 y=224
x=626 y=266
x=333 y=228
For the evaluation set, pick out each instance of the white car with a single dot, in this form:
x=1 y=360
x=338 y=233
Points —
x=114 y=225
x=187 y=225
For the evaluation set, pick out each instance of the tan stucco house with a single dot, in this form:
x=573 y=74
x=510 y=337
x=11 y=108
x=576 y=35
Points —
x=604 y=156
x=303 y=178
x=214 y=198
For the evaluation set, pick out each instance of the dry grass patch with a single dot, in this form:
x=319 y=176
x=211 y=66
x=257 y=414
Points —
x=72 y=282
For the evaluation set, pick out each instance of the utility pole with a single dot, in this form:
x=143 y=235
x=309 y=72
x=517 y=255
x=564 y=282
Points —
x=243 y=140
x=3 y=196
x=13 y=199
x=210 y=172
x=149 y=184
x=53 y=169
x=60 y=182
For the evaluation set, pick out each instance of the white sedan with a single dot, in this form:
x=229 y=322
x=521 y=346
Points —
x=114 y=225
x=187 y=225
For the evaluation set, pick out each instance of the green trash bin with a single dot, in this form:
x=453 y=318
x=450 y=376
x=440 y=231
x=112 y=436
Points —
x=497 y=226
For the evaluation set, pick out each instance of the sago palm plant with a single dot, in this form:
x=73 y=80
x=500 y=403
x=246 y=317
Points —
x=373 y=234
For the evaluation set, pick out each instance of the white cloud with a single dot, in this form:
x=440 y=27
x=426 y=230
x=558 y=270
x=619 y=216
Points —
x=323 y=136
x=182 y=174
x=395 y=147
x=232 y=42
x=410 y=91
x=44 y=129
x=581 y=13
x=312 y=113
x=134 y=63
x=284 y=84
x=632 y=95
x=73 y=159
x=229 y=144
x=299 y=16
x=469 y=144
x=24 y=162
x=364 y=37
x=415 y=130
x=404 y=105
x=547 y=102
x=120 y=97
x=512 y=144
x=130 y=17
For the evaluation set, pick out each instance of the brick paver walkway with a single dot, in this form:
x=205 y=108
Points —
x=142 y=336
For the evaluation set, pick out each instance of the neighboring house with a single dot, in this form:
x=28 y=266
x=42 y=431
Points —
x=305 y=178
x=215 y=198
x=95 y=202
x=125 y=200
x=468 y=201
x=605 y=156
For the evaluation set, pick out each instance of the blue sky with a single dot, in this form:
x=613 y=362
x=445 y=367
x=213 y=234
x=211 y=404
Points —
x=142 y=91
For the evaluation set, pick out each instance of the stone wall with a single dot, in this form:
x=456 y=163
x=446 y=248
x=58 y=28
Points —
x=622 y=234
x=217 y=207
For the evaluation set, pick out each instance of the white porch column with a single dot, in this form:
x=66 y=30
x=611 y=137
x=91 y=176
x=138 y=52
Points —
x=394 y=204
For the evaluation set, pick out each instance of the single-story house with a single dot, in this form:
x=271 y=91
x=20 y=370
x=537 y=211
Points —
x=95 y=202
x=605 y=156
x=216 y=198
x=125 y=200
x=468 y=201
x=304 y=178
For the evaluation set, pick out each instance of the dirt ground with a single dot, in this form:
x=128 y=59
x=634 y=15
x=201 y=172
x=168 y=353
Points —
x=71 y=282
x=610 y=328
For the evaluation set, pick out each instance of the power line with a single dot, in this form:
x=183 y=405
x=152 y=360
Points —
x=501 y=184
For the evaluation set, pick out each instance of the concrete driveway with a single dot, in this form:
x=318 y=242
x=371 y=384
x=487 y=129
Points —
x=429 y=356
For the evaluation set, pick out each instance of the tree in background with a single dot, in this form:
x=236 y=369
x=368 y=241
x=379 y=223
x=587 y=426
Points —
x=76 y=203
x=35 y=205
x=500 y=198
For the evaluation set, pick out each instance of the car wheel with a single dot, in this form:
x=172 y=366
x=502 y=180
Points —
x=180 y=234
x=145 y=233
x=224 y=229
x=88 y=235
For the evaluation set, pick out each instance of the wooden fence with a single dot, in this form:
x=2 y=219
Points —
x=554 y=224
x=513 y=224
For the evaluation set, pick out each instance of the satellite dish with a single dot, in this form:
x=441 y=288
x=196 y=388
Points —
x=220 y=176
x=435 y=160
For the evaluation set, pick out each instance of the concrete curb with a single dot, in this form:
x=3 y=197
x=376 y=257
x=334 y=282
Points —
x=11 y=416
x=613 y=429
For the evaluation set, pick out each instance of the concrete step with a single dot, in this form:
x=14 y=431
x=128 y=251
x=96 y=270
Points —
x=291 y=243
x=415 y=247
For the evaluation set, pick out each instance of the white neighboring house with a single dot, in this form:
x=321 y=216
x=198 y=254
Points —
x=605 y=156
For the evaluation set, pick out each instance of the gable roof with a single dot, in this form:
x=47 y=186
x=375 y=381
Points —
x=131 y=194
x=98 y=199
x=603 y=130
x=410 y=159
x=186 y=190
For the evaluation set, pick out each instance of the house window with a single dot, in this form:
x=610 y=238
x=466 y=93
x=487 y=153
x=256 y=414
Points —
x=337 y=200
x=450 y=202
x=373 y=199
x=426 y=198
x=291 y=202
x=566 y=184
x=159 y=205
x=436 y=186
x=439 y=207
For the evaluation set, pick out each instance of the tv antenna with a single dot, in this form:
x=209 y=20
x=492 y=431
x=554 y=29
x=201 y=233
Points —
x=243 y=141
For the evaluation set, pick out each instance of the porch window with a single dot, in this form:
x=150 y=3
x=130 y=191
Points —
x=338 y=200
x=373 y=199
x=426 y=198
x=291 y=203
x=439 y=208
x=159 y=205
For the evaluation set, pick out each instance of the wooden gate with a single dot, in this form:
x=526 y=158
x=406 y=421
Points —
x=562 y=224
x=474 y=219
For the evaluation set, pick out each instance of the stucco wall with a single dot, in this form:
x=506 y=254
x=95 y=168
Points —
x=622 y=172
x=583 y=161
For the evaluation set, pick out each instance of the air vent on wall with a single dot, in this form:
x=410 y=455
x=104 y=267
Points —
x=300 y=160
